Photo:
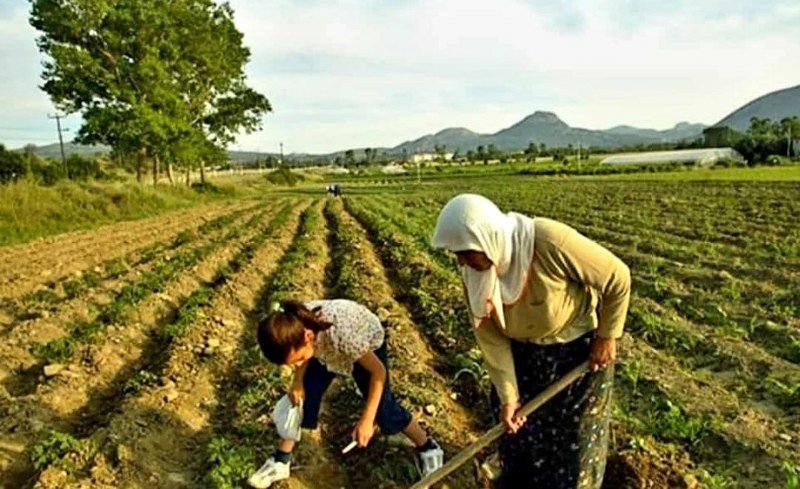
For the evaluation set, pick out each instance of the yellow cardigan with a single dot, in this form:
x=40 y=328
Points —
x=574 y=286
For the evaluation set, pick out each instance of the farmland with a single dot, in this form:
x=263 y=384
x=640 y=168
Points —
x=128 y=354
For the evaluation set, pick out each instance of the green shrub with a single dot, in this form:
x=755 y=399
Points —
x=12 y=165
x=52 y=449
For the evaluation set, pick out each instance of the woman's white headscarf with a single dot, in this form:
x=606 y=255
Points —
x=473 y=222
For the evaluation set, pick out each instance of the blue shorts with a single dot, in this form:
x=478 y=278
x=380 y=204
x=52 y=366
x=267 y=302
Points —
x=391 y=418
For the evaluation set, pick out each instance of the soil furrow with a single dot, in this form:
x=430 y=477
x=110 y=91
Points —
x=28 y=265
x=78 y=396
x=157 y=436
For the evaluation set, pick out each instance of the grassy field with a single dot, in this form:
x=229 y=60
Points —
x=154 y=376
x=29 y=211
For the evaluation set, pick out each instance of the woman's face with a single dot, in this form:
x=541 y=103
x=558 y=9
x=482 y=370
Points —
x=474 y=259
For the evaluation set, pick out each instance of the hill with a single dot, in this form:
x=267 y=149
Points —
x=548 y=128
x=774 y=105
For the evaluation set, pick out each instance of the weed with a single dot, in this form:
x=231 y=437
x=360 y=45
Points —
x=56 y=350
x=792 y=474
x=669 y=421
x=41 y=297
x=230 y=464
x=116 y=268
x=143 y=378
x=52 y=449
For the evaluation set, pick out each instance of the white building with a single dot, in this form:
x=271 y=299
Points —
x=699 y=157
x=422 y=157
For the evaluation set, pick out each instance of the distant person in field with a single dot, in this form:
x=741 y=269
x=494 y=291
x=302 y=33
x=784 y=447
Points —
x=544 y=299
x=323 y=338
x=335 y=189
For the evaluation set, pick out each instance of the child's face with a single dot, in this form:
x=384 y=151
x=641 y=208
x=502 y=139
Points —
x=299 y=356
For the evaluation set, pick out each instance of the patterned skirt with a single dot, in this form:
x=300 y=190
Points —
x=564 y=444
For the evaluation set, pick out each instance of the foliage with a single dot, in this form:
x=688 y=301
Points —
x=792 y=474
x=52 y=449
x=230 y=464
x=12 y=165
x=150 y=77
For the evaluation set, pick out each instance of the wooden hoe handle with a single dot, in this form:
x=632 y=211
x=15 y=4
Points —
x=498 y=429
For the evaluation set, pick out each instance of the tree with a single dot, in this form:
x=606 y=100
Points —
x=790 y=129
x=531 y=152
x=440 y=150
x=12 y=166
x=493 y=153
x=350 y=158
x=148 y=74
x=481 y=155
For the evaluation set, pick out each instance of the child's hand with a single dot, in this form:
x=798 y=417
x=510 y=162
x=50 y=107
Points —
x=297 y=393
x=363 y=432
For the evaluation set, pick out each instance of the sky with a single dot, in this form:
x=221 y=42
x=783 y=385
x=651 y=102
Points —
x=370 y=73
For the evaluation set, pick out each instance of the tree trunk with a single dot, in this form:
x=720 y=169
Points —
x=141 y=158
x=188 y=176
x=156 y=170
x=202 y=172
x=169 y=173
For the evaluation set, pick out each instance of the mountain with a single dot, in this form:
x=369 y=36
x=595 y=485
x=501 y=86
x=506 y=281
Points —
x=54 y=151
x=682 y=130
x=452 y=138
x=775 y=105
x=548 y=128
x=539 y=127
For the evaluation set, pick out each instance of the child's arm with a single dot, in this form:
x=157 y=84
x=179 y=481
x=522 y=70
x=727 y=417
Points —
x=297 y=391
x=366 y=424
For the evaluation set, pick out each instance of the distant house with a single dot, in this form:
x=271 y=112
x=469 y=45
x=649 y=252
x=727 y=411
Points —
x=699 y=157
x=422 y=157
x=393 y=169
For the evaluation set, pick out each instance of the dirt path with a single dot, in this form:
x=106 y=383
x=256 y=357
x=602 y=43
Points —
x=88 y=386
x=23 y=267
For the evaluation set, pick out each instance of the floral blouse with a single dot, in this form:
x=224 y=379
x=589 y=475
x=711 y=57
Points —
x=355 y=331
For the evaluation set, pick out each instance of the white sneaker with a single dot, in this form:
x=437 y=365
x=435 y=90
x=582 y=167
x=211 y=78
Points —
x=269 y=473
x=431 y=460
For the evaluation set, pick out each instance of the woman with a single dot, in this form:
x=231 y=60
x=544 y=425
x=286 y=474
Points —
x=543 y=298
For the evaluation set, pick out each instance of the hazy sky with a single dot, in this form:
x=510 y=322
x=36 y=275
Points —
x=344 y=74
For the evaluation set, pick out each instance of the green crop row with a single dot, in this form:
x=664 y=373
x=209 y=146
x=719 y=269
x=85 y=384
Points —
x=231 y=454
x=116 y=311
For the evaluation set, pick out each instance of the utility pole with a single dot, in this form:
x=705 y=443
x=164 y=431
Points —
x=281 y=153
x=58 y=117
x=579 y=156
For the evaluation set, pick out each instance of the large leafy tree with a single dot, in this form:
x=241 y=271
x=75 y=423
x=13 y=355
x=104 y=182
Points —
x=150 y=77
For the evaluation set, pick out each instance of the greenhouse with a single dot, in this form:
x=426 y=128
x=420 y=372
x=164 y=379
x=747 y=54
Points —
x=699 y=157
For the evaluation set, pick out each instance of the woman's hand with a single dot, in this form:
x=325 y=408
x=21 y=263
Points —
x=297 y=393
x=363 y=432
x=603 y=353
x=510 y=419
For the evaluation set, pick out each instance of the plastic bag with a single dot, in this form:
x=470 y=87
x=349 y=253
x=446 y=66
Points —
x=287 y=417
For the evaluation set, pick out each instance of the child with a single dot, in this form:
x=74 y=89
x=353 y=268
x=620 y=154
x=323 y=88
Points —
x=327 y=337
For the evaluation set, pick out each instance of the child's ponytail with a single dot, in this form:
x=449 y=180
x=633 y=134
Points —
x=284 y=329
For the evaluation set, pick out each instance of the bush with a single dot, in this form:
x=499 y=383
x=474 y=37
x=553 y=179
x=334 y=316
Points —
x=46 y=172
x=80 y=168
x=12 y=165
